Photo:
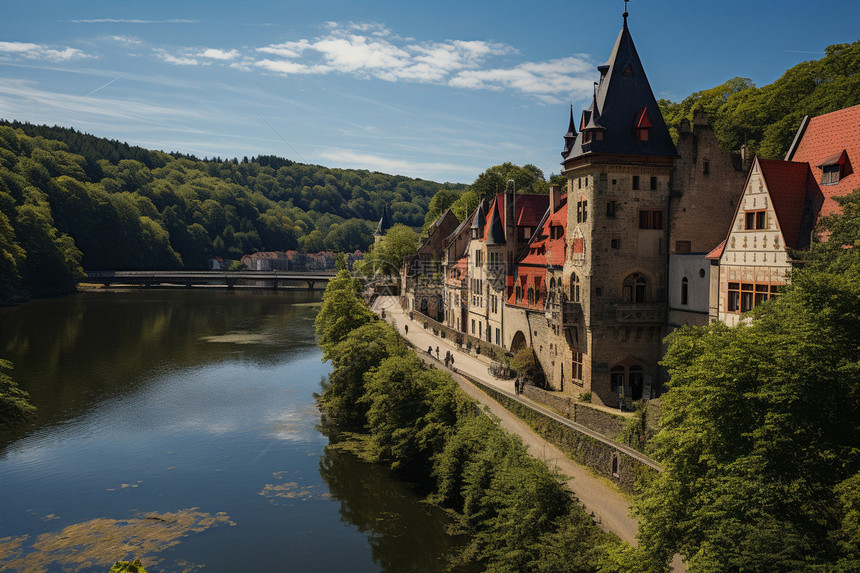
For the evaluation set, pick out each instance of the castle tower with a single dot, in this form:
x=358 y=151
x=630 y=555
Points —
x=618 y=169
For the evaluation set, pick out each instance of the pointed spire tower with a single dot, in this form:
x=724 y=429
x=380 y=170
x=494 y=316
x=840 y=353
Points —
x=612 y=124
x=384 y=224
x=619 y=169
x=570 y=136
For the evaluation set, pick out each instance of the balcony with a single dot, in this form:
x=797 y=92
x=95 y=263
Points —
x=564 y=313
x=637 y=312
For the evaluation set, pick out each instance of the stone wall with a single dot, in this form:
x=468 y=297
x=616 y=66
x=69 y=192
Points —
x=608 y=424
x=609 y=460
x=706 y=186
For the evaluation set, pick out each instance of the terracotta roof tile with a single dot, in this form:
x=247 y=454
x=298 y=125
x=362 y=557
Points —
x=787 y=183
x=717 y=252
x=826 y=136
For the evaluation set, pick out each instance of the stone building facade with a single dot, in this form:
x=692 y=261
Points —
x=706 y=185
x=619 y=170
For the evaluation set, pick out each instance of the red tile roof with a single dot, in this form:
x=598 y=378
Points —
x=717 y=252
x=530 y=209
x=787 y=183
x=826 y=136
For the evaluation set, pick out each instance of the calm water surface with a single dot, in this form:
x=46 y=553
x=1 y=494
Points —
x=179 y=427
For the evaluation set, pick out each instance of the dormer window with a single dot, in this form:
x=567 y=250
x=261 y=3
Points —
x=830 y=174
x=831 y=168
x=643 y=125
x=474 y=232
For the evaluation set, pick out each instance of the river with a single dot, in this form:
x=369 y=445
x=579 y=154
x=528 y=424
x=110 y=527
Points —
x=179 y=427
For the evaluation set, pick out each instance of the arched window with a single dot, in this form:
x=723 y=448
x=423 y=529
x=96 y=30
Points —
x=531 y=296
x=634 y=288
x=519 y=293
x=574 y=288
x=685 y=285
x=551 y=293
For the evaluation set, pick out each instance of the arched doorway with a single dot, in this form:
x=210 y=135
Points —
x=518 y=342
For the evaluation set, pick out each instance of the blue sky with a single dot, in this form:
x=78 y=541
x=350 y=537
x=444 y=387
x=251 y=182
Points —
x=438 y=90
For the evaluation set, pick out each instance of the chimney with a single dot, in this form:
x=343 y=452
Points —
x=745 y=157
x=555 y=197
x=510 y=210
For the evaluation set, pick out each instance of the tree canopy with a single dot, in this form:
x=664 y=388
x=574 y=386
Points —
x=71 y=201
x=760 y=435
x=527 y=179
x=767 y=118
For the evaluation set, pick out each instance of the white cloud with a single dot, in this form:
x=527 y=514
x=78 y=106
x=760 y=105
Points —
x=179 y=60
x=125 y=40
x=30 y=51
x=370 y=50
x=217 y=54
x=546 y=81
x=20 y=98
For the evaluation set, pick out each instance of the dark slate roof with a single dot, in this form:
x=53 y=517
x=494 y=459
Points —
x=621 y=95
x=570 y=136
x=496 y=232
x=479 y=220
x=384 y=222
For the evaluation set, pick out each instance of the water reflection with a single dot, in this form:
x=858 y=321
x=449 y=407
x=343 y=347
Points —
x=71 y=353
x=404 y=535
x=181 y=404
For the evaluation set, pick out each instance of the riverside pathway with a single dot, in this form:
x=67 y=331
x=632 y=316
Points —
x=597 y=495
x=611 y=509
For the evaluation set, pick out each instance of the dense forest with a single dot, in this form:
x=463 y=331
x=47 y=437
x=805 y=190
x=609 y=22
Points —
x=767 y=118
x=71 y=201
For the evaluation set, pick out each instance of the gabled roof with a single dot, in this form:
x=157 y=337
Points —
x=820 y=140
x=622 y=94
x=788 y=184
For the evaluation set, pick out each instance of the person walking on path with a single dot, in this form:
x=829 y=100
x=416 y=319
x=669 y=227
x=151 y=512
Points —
x=437 y=353
x=517 y=387
x=406 y=329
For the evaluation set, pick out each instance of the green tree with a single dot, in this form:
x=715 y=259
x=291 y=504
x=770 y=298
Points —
x=342 y=311
x=388 y=254
x=527 y=179
x=441 y=201
x=760 y=430
x=15 y=407
x=11 y=256
x=360 y=351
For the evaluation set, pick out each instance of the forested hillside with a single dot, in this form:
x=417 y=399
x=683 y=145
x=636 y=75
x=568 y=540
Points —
x=71 y=201
x=767 y=118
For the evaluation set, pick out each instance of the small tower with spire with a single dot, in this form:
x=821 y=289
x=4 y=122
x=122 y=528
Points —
x=618 y=168
x=384 y=224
